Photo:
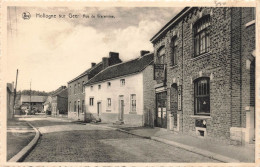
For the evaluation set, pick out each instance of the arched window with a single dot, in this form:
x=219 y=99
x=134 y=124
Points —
x=174 y=59
x=161 y=55
x=202 y=96
x=201 y=36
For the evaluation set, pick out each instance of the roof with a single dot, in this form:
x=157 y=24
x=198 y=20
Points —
x=26 y=98
x=88 y=71
x=168 y=25
x=63 y=93
x=122 y=69
x=57 y=91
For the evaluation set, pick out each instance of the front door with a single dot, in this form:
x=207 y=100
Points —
x=121 y=108
x=161 y=114
x=98 y=108
x=78 y=109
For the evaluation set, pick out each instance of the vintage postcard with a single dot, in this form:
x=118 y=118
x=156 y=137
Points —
x=129 y=83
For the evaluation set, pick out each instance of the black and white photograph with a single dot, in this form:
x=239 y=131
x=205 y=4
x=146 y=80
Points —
x=130 y=84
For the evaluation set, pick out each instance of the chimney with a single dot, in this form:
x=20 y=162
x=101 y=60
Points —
x=105 y=62
x=143 y=52
x=93 y=64
x=114 y=58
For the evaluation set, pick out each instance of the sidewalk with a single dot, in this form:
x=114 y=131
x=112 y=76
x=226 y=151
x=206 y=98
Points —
x=19 y=135
x=207 y=147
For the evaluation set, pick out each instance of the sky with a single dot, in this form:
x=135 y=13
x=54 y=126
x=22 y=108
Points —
x=51 y=52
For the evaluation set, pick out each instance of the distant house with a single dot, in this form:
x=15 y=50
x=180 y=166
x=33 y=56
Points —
x=35 y=102
x=76 y=91
x=10 y=100
x=122 y=93
x=47 y=104
x=59 y=101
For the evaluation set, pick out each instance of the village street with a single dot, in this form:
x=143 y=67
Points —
x=63 y=141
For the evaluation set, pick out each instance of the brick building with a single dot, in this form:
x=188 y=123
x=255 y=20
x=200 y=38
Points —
x=76 y=94
x=122 y=93
x=59 y=101
x=206 y=81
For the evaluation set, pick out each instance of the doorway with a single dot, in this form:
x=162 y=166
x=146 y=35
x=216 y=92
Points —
x=121 y=108
x=98 y=108
x=161 y=113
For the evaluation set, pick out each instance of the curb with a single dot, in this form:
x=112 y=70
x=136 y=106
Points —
x=205 y=153
x=26 y=150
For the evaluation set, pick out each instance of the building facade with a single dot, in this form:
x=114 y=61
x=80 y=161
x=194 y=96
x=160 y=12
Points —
x=10 y=100
x=59 y=101
x=122 y=93
x=76 y=91
x=208 y=83
x=32 y=102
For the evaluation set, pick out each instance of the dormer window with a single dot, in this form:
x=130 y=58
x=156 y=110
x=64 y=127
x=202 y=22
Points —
x=201 y=36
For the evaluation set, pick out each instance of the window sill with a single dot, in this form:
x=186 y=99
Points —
x=250 y=23
x=201 y=56
x=132 y=112
x=201 y=116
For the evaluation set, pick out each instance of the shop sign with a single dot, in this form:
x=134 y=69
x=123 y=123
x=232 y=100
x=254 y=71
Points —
x=159 y=72
x=179 y=97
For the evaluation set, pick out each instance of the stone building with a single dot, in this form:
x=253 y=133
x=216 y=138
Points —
x=59 y=101
x=76 y=94
x=122 y=93
x=205 y=73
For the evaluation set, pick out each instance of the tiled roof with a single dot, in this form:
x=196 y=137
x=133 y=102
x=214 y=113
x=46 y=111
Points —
x=88 y=71
x=122 y=69
x=63 y=93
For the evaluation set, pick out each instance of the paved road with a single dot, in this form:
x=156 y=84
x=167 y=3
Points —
x=67 y=142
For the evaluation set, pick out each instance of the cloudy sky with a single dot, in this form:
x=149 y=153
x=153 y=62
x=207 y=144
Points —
x=50 y=52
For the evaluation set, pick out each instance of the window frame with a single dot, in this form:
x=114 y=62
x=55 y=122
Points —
x=131 y=103
x=91 y=101
x=161 y=58
x=201 y=95
x=109 y=102
x=201 y=40
x=173 y=45
x=122 y=82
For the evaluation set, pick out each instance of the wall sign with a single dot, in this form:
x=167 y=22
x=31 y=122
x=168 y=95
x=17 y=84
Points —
x=159 y=72
x=179 y=97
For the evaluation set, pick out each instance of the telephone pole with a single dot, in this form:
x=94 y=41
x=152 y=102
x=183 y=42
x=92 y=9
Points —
x=30 y=96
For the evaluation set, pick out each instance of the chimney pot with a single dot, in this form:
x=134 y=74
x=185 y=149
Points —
x=93 y=64
x=143 y=52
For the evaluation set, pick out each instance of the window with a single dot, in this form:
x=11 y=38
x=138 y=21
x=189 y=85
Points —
x=83 y=87
x=99 y=86
x=70 y=91
x=83 y=106
x=75 y=106
x=201 y=36
x=91 y=101
x=161 y=56
x=75 y=88
x=108 y=84
x=202 y=96
x=174 y=51
x=122 y=82
x=133 y=103
x=79 y=87
x=108 y=102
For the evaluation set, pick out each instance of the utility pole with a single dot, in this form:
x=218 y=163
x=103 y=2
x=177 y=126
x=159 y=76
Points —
x=15 y=93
